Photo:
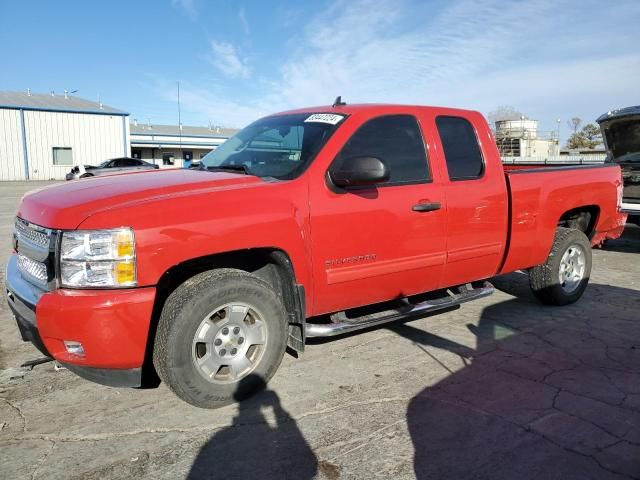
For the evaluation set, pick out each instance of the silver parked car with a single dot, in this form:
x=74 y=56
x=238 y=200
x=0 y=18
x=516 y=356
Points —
x=110 y=167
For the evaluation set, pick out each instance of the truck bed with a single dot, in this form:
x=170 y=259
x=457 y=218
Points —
x=541 y=195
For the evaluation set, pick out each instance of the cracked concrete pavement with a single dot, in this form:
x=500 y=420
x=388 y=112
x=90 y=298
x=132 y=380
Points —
x=501 y=388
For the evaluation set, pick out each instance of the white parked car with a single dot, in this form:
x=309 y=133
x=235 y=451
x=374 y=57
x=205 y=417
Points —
x=110 y=167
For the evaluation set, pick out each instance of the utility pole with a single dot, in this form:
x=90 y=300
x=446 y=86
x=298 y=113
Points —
x=180 y=126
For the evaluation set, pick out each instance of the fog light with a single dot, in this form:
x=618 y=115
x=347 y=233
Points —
x=74 y=348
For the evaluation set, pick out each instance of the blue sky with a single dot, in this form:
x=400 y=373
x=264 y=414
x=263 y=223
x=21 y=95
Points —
x=239 y=60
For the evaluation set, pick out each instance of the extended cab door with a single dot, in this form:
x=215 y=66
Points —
x=371 y=244
x=476 y=196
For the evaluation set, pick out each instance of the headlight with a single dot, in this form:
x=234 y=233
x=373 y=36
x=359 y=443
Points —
x=98 y=258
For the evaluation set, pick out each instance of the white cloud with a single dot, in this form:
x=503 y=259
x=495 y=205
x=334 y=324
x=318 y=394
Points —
x=540 y=56
x=242 y=16
x=227 y=59
x=187 y=6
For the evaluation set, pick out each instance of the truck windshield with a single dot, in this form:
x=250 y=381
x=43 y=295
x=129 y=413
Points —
x=623 y=140
x=281 y=146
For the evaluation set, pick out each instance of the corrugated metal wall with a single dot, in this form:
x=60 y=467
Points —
x=11 y=153
x=93 y=138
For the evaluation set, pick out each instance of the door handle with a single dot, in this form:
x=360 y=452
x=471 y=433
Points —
x=426 y=207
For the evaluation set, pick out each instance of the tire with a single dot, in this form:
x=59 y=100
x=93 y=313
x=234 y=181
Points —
x=86 y=175
x=192 y=344
x=572 y=250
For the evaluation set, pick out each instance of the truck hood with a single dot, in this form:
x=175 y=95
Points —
x=67 y=205
x=622 y=136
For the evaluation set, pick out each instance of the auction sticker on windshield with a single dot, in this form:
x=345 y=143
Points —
x=330 y=118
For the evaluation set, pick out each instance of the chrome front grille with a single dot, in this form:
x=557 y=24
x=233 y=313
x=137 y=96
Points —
x=35 y=247
x=37 y=236
x=35 y=272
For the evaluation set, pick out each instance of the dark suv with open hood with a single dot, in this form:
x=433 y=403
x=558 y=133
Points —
x=621 y=133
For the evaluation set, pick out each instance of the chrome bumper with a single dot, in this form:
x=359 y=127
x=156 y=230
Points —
x=630 y=208
x=22 y=298
x=18 y=287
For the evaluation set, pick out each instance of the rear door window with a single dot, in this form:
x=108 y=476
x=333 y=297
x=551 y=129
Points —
x=461 y=148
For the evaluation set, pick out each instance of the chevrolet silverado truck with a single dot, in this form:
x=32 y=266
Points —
x=308 y=223
x=621 y=135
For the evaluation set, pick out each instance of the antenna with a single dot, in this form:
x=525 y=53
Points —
x=338 y=102
x=180 y=125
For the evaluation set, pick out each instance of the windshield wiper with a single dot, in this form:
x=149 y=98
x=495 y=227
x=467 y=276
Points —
x=233 y=168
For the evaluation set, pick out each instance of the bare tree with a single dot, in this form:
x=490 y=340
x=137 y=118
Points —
x=503 y=112
x=574 y=124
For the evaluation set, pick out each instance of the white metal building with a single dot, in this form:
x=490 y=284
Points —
x=43 y=135
x=170 y=145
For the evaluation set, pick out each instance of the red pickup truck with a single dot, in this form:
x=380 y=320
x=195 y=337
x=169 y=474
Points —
x=206 y=276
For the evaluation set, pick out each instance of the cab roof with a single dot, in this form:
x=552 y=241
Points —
x=376 y=109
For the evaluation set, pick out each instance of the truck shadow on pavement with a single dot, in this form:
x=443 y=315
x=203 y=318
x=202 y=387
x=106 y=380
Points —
x=548 y=392
x=629 y=242
x=269 y=445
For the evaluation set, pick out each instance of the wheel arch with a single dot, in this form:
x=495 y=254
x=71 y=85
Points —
x=583 y=218
x=272 y=265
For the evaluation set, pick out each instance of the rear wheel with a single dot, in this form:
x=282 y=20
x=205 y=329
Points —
x=563 y=278
x=220 y=338
x=86 y=175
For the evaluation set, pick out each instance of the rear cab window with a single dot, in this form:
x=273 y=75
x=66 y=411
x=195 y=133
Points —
x=397 y=141
x=461 y=148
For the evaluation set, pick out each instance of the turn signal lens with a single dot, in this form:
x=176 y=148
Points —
x=124 y=244
x=125 y=273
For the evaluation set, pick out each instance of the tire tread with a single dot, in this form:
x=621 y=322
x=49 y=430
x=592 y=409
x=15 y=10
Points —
x=182 y=296
x=543 y=278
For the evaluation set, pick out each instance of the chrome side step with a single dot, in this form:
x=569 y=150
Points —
x=466 y=294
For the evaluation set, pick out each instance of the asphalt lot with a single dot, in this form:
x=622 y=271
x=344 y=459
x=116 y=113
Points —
x=502 y=388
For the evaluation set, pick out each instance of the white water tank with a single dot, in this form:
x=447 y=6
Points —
x=523 y=128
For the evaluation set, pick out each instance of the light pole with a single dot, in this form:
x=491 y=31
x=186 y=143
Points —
x=558 y=138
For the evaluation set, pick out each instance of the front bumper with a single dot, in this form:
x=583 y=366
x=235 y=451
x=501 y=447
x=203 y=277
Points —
x=111 y=325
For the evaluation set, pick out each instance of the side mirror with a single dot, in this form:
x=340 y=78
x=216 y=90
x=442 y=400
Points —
x=359 y=171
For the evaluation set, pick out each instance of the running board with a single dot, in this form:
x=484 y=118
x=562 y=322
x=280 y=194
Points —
x=338 y=328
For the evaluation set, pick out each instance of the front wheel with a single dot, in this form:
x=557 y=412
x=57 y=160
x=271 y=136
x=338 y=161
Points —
x=220 y=338
x=563 y=278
